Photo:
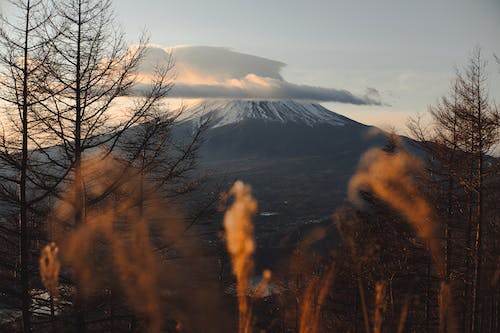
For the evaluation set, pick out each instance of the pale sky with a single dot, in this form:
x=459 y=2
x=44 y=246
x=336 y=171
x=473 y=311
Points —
x=334 y=51
x=407 y=50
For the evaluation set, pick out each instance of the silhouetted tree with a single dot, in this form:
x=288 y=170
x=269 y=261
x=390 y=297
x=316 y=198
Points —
x=464 y=130
x=85 y=115
x=23 y=58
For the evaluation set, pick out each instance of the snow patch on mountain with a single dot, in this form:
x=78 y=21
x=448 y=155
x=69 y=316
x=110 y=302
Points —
x=227 y=112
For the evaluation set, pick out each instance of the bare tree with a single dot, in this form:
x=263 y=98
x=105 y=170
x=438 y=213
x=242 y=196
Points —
x=483 y=133
x=464 y=130
x=90 y=68
x=94 y=106
x=22 y=59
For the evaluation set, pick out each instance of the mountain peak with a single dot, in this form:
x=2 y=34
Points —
x=228 y=112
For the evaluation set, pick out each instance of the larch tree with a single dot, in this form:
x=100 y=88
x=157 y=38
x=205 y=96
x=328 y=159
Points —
x=483 y=132
x=22 y=60
x=464 y=131
x=98 y=106
x=90 y=69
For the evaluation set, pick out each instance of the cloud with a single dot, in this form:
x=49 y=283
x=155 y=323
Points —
x=372 y=92
x=218 y=72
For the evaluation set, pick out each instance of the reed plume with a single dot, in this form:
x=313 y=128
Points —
x=390 y=176
x=113 y=247
x=241 y=245
x=49 y=268
x=404 y=314
x=260 y=290
x=447 y=320
x=380 y=306
x=312 y=301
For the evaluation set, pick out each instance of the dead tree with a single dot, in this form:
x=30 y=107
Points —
x=464 y=130
x=22 y=60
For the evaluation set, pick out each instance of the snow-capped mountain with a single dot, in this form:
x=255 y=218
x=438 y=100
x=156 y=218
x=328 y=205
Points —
x=273 y=129
x=298 y=156
x=228 y=112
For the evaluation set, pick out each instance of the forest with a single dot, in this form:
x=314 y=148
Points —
x=104 y=205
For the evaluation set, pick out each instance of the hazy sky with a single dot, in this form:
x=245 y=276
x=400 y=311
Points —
x=406 y=50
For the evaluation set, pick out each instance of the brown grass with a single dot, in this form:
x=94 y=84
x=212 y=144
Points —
x=312 y=301
x=49 y=268
x=241 y=246
x=391 y=178
x=123 y=225
x=113 y=246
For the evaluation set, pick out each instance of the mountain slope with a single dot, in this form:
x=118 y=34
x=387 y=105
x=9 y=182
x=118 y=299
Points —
x=297 y=156
x=271 y=130
x=227 y=112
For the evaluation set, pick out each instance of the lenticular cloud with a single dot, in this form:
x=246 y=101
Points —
x=218 y=72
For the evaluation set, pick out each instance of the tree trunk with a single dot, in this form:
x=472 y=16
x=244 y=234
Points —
x=478 y=242
x=79 y=188
x=23 y=214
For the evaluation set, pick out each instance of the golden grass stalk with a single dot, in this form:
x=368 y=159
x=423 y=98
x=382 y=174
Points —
x=390 y=176
x=241 y=246
x=260 y=291
x=312 y=301
x=404 y=315
x=49 y=268
x=447 y=322
x=380 y=306
x=113 y=247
